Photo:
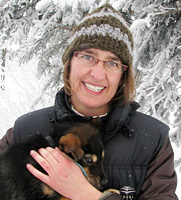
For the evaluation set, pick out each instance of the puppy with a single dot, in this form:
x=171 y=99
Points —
x=78 y=140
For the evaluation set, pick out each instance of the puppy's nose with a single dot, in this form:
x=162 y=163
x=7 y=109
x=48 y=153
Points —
x=104 y=182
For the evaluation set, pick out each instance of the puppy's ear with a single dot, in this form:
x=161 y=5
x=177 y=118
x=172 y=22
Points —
x=71 y=145
x=96 y=121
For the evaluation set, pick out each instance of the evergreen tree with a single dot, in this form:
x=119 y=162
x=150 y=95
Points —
x=16 y=20
x=157 y=32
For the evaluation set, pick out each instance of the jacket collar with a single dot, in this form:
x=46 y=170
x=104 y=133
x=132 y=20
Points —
x=116 y=119
x=63 y=109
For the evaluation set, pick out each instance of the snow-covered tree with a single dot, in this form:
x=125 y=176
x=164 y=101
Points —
x=2 y=69
x=157 y=32
x=17 y=17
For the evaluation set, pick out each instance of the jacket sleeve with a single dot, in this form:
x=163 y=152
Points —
x=6 y=140
x=160 y=181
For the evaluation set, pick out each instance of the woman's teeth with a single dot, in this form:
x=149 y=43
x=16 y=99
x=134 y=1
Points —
x=93 y=88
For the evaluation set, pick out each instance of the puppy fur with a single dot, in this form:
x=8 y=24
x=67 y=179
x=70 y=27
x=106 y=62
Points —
x=78 y=140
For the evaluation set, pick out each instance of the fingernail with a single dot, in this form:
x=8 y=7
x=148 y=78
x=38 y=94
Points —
x=48 y=148
x=56 y=148
x=28 y=165
x=32 y=152
x=39 y=150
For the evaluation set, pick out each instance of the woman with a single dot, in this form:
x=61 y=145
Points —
x=99 y=81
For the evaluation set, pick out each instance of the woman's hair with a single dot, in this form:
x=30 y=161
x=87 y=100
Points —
x=126 y=89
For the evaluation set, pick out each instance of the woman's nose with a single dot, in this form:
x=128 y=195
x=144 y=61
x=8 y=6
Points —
x=98 y=71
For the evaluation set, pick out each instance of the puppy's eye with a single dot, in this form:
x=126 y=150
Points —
x=88 y=159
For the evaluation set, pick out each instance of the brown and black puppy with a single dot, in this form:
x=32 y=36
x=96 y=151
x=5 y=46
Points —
x=78 y=140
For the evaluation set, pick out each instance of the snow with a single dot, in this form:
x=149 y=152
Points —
x=42 y=5
x=22 y=88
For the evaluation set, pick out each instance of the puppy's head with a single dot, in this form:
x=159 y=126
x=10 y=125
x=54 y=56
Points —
x=83 y=144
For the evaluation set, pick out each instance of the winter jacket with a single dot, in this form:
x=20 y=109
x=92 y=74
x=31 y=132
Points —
x=138 y=152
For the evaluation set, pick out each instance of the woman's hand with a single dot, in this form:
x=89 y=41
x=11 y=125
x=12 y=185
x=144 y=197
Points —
x=64 y=176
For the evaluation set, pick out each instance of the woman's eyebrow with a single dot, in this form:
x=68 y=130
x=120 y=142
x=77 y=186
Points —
x=89 y=52
x=115 y=58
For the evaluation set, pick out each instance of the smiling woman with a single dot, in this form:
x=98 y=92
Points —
x=92 y=88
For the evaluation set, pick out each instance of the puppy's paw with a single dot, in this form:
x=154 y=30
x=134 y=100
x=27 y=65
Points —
x=71 y=144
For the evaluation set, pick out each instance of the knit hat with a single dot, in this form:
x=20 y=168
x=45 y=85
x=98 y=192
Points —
x=104 y=29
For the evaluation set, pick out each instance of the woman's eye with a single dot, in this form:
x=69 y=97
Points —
x=112 y=64
x=87 y=57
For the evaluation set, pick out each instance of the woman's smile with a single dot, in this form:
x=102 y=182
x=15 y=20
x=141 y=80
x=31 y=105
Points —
x=93 y=88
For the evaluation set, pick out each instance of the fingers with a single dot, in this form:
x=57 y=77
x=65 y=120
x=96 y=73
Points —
x=58 y=155
x=43 y=158
x=48 y=155
x=53 y=161
x=47 y=159
x=44 y=178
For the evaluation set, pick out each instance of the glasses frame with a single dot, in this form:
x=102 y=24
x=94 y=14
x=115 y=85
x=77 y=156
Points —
x=124 y=67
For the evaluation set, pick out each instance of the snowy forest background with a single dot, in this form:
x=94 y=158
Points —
x=33 y=34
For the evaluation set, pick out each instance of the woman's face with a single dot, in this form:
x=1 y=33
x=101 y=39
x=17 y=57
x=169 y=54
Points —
x=92 y=88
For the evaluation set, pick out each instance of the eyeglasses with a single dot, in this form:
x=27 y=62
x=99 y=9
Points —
x=91 y=61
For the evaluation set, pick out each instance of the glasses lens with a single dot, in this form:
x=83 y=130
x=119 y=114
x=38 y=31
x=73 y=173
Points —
x=113 y=67
x=89 y=60
x=86 y=59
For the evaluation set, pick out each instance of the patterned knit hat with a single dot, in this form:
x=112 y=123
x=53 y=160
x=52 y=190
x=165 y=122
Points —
x=103 y=29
